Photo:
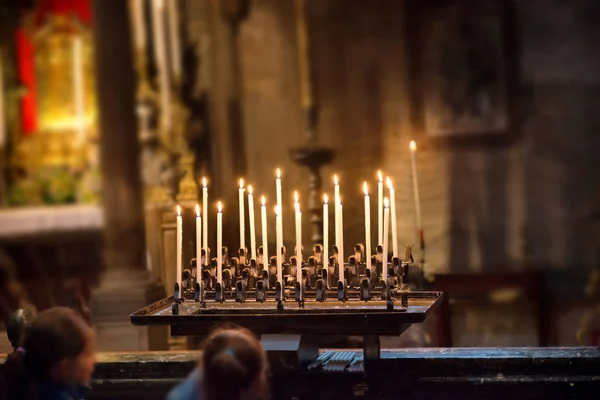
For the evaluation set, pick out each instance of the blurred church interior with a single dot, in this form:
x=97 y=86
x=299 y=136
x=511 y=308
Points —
x=112 y=113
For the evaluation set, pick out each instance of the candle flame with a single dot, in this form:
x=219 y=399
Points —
x=178 y=211
x=380 y=176
x=388 y=181
x=250 y=189
x=325 y=198
x=296 y=197
x=386 y=202
x=203 y=182
x=335 y=180
x=263 y=200
x=241 y=183
x=278 y=173
x=197 y=211
x=366 y=188
x=413 y=145
x=219 y=207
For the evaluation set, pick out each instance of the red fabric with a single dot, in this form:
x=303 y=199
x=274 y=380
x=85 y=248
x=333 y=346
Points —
x=79 y=7
x=27 y=78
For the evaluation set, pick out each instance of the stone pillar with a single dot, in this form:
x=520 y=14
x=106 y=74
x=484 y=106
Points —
x=125 y=286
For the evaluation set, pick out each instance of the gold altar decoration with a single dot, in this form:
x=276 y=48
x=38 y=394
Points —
x=58 y=163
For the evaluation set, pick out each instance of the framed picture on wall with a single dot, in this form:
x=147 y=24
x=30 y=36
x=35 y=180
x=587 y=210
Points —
x=461 y=53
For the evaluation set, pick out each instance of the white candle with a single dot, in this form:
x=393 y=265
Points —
x=380 y=208
x=160 y=52
x=279 y=237
x=242 y=216
x=265 y=243
x=198 y=239
x=325 y=231
x=413 y=151
x=386 y=219
x=336 y=201
x=179 y=250
x=367 y=226
x=205 y=213
x=2 y=127
x=393 y=216
x=298 y=238
x=252 y=226
x=174 y=34
x=278 y=192
x=341 y=244
x=137 y=16
x=78 y=87
x=219 y=243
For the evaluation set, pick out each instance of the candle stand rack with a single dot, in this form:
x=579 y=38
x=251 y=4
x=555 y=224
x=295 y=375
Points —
x=293 y=318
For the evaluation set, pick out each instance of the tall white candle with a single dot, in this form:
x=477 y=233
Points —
x=198 y=239
x=175 y=39
x=265 y=243
x=278 y=192
x=160 y=52
x=179 y=235
x=367 y=226
x=413 y=151
x=2 y=126
x=336 y=201
x=252 y=226
x=219 y=243
x=205 y=213
x=380 y=208
x=242 y=216
x=279 y=241
x=386 y=219
x=341 y=244
x=298 y=238
x=393 y=216
x=137 y=17
x=78 y=87
x=325 y=231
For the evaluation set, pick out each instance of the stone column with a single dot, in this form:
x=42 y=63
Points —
x=125 y=286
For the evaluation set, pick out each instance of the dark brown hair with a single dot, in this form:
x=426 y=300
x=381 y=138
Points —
x=55 y=334
x=233 y=359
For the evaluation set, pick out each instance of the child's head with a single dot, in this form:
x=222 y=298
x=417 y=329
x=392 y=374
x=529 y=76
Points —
x=58 y=346
x=234 y=365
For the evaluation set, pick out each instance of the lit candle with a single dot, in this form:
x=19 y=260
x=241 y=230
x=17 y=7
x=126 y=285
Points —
x=386 y=219
x=336 y=202
x=198 y=239
x=160 y=53
x=325 y=231
x=298 y=238
x=205 y=213
x=265 y=243
x=278 y=192
x=137 y=14
x=242 y=216
x=252 y=227
x=174 y=34
x=78 y=87
x=393 y=216
x=279 y=237
x=341 y=243
x=367 y=226
x=380 y=208
x=219 y=242
x=413 y=151
x=179 y=250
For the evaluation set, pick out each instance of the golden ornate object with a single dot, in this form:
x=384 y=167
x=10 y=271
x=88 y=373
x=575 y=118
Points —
x=59 y=160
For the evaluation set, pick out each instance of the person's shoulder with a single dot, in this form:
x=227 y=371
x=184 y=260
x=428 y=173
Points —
x=189 y=389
